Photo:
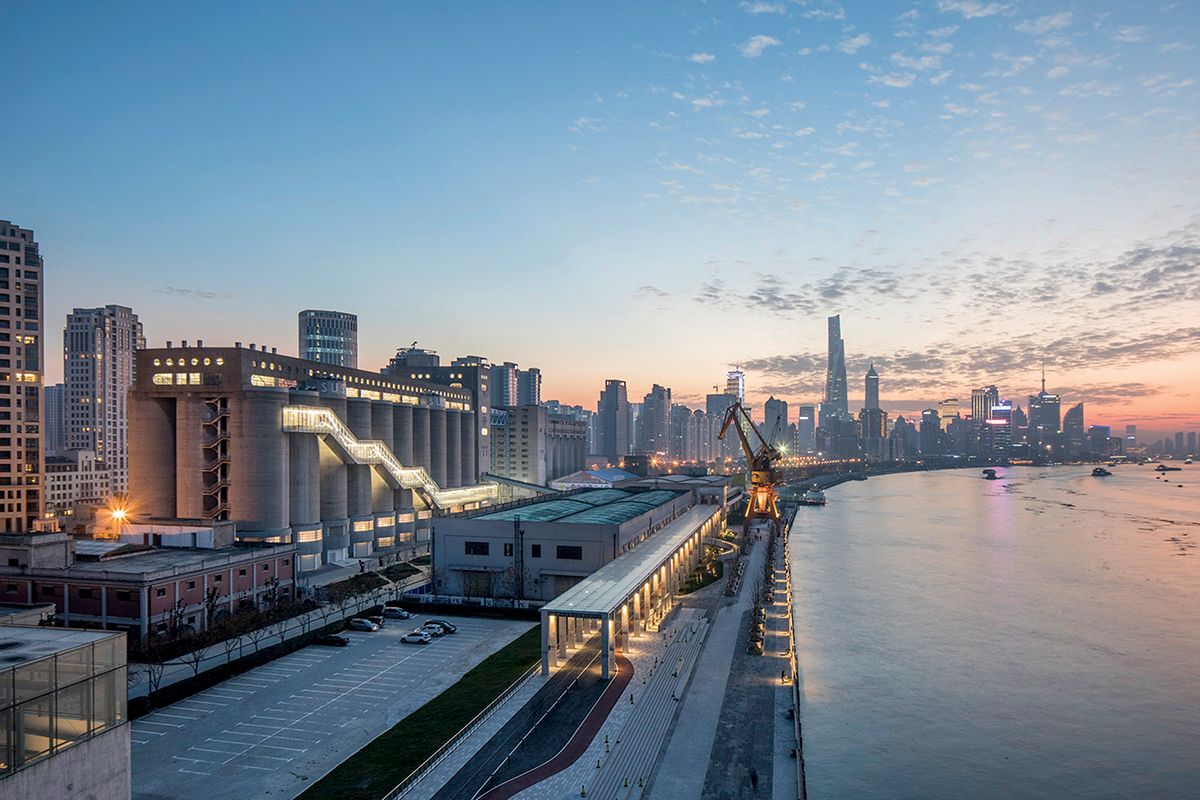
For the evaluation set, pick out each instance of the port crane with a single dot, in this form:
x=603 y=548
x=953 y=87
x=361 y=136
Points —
x=764 y=498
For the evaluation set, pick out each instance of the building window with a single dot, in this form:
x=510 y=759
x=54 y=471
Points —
x=241 y=573
x=475 y=548
x=508 y=551
x=535 y=550
x=569 y=552
x=123 y=596
x=160 y=592
x=85 y=594
x=191 y=584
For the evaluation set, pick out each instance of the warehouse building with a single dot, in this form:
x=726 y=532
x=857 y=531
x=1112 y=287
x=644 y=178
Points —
x=535 y=551
x=342 y=462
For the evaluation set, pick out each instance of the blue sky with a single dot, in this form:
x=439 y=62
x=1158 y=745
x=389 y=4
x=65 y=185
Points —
x=652 y=191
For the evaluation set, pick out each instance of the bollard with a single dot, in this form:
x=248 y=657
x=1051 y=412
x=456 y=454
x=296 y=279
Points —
x=597 y=763
x=606 y=747
x=627 y=783
x=582 y=790
x=631 y=698
x=639 y=782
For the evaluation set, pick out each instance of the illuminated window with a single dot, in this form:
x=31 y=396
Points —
x=207 y=361
x=386 y=522
x=308 y=536
x=170 y=362
x=364 y=525
x=220 y=361
x=262 y=380
x=195 y=361
x=158 y=362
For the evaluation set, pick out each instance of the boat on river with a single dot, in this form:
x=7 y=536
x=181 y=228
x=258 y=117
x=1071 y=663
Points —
x=1100 y=472
x=812 y=497
x=990 y=475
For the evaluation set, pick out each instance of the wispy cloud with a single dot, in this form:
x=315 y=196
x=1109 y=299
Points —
x=762 y=8
x=702 y=58
x=194 y=294
x=1051 y=22
x=853 y=44
x=755 y=45
x=971 y=9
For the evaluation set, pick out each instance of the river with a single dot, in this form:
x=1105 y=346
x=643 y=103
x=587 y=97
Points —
x=1033 y=636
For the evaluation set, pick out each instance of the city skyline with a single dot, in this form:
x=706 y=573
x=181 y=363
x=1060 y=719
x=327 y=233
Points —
x=941 y=177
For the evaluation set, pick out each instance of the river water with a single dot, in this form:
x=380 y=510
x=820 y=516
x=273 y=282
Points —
x=1034 y=636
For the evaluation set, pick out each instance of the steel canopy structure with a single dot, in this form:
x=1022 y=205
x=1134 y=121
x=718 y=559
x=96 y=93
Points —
x=630 y=591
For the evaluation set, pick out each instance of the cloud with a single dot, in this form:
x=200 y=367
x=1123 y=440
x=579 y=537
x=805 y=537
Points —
x=194 y=294
x=1132 y=34
x=971 y=9
x=926 y=181
x=853 y=44
x=646 y=290
x=1043 y=25
x=897 y=80
x=1077 y=138
x=755 y=45
x=920 y=64
x=762 y=8
x=1089 y=89
x=702 y=58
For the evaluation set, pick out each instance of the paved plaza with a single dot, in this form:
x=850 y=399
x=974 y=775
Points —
x=273 y=731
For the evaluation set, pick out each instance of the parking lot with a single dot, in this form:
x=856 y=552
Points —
x=273 y=731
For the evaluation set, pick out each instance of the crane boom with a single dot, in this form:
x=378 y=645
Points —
x=764 y=498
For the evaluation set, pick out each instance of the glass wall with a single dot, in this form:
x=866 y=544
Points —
x=55 y=702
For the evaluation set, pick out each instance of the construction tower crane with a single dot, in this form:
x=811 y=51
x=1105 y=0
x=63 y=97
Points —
x=764 y=498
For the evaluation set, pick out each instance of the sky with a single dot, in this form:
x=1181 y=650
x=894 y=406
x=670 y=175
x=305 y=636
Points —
x=655 y=192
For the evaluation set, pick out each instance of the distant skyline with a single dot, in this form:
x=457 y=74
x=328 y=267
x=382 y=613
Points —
x=974 y=186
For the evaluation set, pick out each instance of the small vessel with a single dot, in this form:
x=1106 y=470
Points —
x=812 y=497
x=1189 y=461
x=1165 y=468
x=1100 y=472
x=990 y=475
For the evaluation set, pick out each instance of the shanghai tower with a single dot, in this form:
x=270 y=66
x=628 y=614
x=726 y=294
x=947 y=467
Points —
x=836 y=400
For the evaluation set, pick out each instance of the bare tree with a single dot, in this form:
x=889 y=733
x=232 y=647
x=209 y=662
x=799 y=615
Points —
x=279 y=628
x=196 y=658
x=211 y=598
x=256 y=635
x=231 y=643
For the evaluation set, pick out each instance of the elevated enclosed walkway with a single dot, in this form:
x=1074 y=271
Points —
x=373 y=452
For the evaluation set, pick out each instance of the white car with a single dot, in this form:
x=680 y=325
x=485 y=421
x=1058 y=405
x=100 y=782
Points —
x=392 y=612
x=358 y=624
x=433 y=630
x=416 y=637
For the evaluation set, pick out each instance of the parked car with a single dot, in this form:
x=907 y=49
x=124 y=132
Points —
x=446 y=626
x=360 y=624
x=393 y=612
x=433 y=630
x=416 y=637
x=332 y=640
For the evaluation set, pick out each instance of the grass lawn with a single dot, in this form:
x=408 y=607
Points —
x=379 y=767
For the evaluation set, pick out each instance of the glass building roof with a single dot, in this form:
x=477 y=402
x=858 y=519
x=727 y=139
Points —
x=597 y=506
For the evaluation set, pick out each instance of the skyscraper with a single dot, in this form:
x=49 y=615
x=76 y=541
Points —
x=330 y=337
x=1074 y=430
x=872 y=389
x=54 y=421
x=806 y=426
x=735 y=384
x=1045 y=420
x=948 y=411
x=775 y=421
x=716 y=406
x=22 y=467
x=99 y=366
x=836 y=400
x=613 y=411
x=982 y=401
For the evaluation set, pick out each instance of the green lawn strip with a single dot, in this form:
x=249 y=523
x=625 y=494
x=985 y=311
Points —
x=379 y=767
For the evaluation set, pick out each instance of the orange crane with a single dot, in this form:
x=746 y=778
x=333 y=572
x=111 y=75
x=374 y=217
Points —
x=764 y=499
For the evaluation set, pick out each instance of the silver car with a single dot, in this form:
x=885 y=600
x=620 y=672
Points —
x=416 y=637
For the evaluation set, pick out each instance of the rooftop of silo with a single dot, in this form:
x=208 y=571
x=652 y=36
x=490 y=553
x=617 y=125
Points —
x=593 y=506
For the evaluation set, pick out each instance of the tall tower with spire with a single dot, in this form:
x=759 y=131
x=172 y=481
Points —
x=836 y=400
x=872 y=396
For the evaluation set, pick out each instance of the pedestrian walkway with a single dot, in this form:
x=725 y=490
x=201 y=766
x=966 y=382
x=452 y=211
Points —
x=695 y=730
x=658 y=654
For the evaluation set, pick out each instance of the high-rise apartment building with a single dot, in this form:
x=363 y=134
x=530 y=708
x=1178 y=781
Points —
x=329 y=337
x=529 y=387
x=613 y=410
x=99 y=369
x=54 y=432
x=775 y=421
x=654 y=421
x=1074 y=430
x=22 y=456
x=504 y=384
x=837 y=403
